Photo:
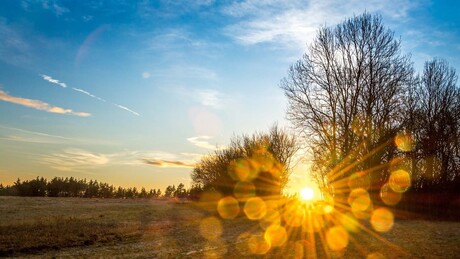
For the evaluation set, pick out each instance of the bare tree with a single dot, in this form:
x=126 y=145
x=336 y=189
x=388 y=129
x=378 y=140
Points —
x=344 y=95
x=437 y=126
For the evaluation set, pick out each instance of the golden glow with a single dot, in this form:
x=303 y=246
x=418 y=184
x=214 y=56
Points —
x=307 y=194
x=359 y=200
x=399 y=181
x=382 y=220
x=404 y=142
x=337 y=238
x=258 y=245
x=275 y=235
x=255 y=208
x=228 y=207
x=388 y=196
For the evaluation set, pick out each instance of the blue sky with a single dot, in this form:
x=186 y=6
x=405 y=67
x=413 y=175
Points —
x=91 y=88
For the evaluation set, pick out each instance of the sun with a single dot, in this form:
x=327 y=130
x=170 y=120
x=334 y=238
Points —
x=307 y=194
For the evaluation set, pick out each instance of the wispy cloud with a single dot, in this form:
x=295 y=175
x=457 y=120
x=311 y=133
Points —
x=34 y=132
x=294 y=23
x=201 y=141
x=74 y=159
x=14 y=48
x=53 y=81
x=210 y=97
x=39 y=105
x=166 y=163
x=21 y=135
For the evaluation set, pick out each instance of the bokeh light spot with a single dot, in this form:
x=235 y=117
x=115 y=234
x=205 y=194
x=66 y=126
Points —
x=255 y=208
x=275 y=235
x=382 y=220
x=399 y=181
x=228 y=207
x=388 y=196
x=359 y=200
x=272 y=217
x=337 y=238
x=258 y=245
x=404 y=142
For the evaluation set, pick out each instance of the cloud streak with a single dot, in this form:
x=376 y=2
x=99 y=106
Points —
x=39 y=105
x=201 y=141
x=126 y=109
x=20 y=135
x=75 y=159
x=55 y=81
x=167 y=163
x=88 y=94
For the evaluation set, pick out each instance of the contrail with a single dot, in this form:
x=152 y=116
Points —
x=55 y=81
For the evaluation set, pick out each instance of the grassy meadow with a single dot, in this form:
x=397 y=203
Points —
x=74 y=227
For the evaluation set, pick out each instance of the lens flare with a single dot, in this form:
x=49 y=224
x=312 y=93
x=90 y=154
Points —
x=240 y=170
x=275 y=235
x=388 y=196
x=255 y=208
x=404 y=142
x=228 y=207
x=258 y=245
x=359 y=199
x=399 y=181
x=337 y=238
x=382 y=220
x=272 y=217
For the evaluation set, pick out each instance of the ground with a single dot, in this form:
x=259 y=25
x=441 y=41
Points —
x=74 y=227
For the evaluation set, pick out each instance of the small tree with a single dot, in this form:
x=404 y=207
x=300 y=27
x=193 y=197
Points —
x=262 y=158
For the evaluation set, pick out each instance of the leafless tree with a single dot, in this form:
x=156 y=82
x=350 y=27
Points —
x=345 y=96
x=437 y=126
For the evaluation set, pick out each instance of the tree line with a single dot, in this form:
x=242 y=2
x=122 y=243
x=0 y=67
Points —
x=73 y=187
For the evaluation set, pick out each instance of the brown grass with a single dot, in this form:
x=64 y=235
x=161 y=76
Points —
x=72 y=227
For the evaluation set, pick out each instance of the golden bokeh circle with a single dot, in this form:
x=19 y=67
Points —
x=228 y=207
x=382 y=219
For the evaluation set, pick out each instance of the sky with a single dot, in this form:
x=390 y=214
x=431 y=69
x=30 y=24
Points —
x=133 y=93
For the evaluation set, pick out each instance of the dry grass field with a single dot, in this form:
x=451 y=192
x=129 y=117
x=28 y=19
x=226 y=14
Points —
x=95 y=228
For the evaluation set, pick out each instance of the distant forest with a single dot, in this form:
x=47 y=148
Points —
x=73 y=187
